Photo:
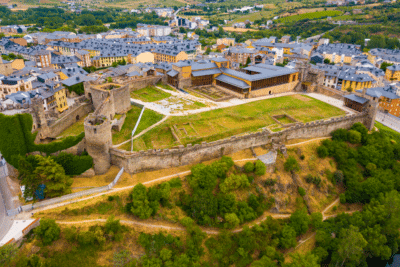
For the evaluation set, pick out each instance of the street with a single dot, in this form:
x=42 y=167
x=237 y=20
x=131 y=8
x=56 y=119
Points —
x=5 y=221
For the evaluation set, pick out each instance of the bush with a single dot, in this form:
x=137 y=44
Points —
x=248 y=167
x=322 y=152
x=260 y=168
x=302 y=157
x=175 y=182
x=354 y=137
x=342 y=198
x=316 y=220
x=72 y=164
x=302 y=191
x=270 y=182
x=300 y=220
x=291 y=165
x=313 y=179
x=48 y=231
x=232 y=220
x=339 y=135
x=234 y=182
x=338 y=176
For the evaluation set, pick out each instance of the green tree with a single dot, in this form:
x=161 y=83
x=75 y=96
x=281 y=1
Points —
x=327 y=61
x=288 y=237
x=316 y=220
x=351 y=245
x=232 y=220
x=354 y=137
x=53 y=176
x=264 y=262
x=260 y=168
x=300 y=260
x=208 y=51
x=322 y=151
x=233 y=182
x=8 y=253
x=384 y=65
x=248 y=167
x=48 y=231
x=300 y=220
x=140 y=205
x=248 y=61
x=291 y=164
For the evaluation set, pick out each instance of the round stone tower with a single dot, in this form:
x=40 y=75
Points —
x=98 y=141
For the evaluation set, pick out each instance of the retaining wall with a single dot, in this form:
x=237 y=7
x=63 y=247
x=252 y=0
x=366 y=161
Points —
x=69 y=119
x=144 y=82
x=135 y=162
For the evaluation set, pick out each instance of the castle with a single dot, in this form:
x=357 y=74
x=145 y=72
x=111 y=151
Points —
x=109 y=99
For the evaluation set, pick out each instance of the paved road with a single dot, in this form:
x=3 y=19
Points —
x=389 y=121
x=5 y=221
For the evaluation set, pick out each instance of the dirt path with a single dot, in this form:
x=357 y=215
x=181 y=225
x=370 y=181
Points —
x=207 y=230
x=309 y=141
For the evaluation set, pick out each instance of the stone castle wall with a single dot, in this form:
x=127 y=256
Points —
x=278 y=89
x=135 y=162
x=144 y=82
x=73 y=115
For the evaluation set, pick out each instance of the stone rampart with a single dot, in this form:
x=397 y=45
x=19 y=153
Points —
x=144 y=82
x=277 y=89
x=135 y=162
x=76 y=113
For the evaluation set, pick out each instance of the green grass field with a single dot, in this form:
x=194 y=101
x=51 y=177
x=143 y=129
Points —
x=74 y=129
x=150 y=94
x=388 y=131
x=165 y=86
x=311 y=16
x=221 y=123
x=149 y=118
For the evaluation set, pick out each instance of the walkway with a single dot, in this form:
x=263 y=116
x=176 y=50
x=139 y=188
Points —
x=5 y=200
x=389 y=121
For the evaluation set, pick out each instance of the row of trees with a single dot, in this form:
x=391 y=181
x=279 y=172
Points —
x=90 y=21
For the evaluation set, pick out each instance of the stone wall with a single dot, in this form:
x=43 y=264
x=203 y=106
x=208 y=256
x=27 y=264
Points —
x=278 y=89
x=144 y=82
x=121 y=97
x=135 y=162
x=338 y=94
x=76 y=113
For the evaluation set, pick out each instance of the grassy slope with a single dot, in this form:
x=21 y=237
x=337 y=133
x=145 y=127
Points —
x=391 y=133
x=150 y=94
x=221 y=123
x=149 y=118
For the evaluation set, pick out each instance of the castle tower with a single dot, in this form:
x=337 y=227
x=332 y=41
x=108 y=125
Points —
x=372 y=109
x=98 y=141
x=39 y=119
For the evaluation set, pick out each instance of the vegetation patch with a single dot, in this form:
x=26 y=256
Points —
x=150 y=94
x=221 y=123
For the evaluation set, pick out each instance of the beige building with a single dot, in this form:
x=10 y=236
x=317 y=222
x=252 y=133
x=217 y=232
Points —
x=226 y=41
x=11 y=85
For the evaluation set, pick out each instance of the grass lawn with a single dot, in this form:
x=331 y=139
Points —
x=388 y=131
x=150 y=94
x=221 y=123
x=149 y=117
x=74 y=129
x=165 y=86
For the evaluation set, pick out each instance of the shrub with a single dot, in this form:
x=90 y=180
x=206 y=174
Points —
x=313 y=179
x=248 y=167
x=300 y=220
x=338 y=176
x=232 y=220
x=291 y=165
x=48 y=231
x=72 y=164
x=316 y=220
x=342 y=198
x=250 y=178
x=354 y=137
x=175 y=182
x=302 y=191
x=302 y=157
x=339 y=135
x=322 y=152
x=234 y=182
x=270 y=182
x=260 y=168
